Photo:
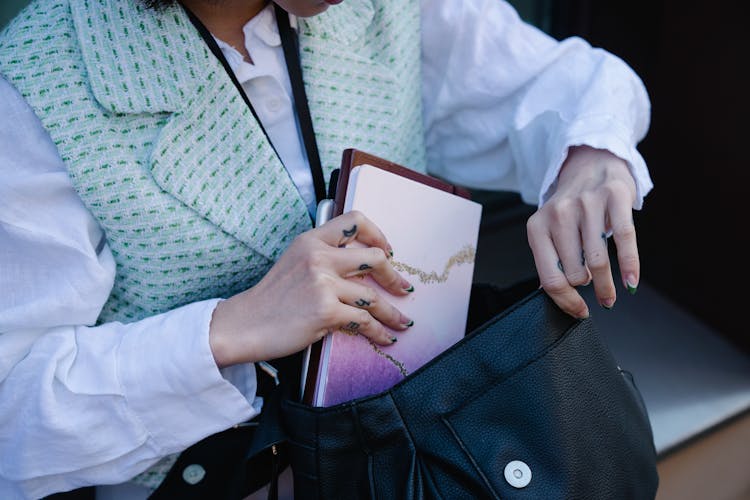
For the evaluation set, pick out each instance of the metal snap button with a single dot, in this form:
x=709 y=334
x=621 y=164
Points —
x=193 y=474
x=517 y=474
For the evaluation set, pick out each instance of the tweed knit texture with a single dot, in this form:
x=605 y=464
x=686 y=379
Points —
x=163 y=151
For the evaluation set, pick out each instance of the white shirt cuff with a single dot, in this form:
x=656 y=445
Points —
x=172 y=383
x=600 y=132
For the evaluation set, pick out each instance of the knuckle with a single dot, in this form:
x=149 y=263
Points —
x=535 y=227
x=598 y=265
x=622 y=187
x=597 y=260
x=625 y=231
x=561 y=210
x=328 y=313
x=308 y=237
x=578 y=277
x=371 y=296
x=376 y=256
x=323 y=283
x=587 y=199
x=364 y=319
x=357 y=216
x=555 y=285
x=609 y=189
x=315 y=259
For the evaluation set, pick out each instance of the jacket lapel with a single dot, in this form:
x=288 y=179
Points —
x=350 y=82
x=211 y=155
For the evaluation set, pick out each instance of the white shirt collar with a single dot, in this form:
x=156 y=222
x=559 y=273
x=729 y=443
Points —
x=259 y=31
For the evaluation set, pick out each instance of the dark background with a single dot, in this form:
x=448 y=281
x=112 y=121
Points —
x=691 y=56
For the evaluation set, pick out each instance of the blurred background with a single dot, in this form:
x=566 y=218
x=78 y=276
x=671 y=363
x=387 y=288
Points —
x=683 y=335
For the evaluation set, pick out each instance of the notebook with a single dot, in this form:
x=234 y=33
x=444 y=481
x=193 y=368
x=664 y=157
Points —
x=433 y=228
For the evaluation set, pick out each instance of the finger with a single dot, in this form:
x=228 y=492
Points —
x=623 y=231
x=553 y=279
x=597 y=258
x=358 y=261
x=367 y=298
x=567 y=240
x=359 y=321
x=344 y=229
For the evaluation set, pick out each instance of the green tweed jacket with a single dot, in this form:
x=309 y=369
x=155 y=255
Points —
x=163 y=151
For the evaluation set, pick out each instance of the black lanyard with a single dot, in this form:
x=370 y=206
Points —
x=294 y=68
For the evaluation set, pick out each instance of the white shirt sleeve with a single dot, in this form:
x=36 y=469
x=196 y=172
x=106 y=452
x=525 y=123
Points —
x=83 y=404
x=503 y=101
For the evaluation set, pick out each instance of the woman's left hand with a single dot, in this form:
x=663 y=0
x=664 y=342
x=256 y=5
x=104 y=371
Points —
x=568 y=234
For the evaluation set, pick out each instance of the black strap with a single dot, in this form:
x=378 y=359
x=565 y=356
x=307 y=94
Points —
x=290 y=45
x=294 y=68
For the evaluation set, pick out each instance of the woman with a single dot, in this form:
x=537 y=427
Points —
x=157 y=239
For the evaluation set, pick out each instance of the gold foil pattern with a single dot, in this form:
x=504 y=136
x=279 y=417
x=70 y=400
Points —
x=464 y=256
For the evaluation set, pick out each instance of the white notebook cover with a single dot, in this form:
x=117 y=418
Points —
x=434 y=236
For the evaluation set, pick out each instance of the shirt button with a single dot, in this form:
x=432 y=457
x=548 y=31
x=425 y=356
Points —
x=193 y=474
x=517 y=474
x=273 y=105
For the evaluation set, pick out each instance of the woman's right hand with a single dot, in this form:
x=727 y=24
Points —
x=306 y=295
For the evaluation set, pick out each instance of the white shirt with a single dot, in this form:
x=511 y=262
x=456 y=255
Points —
x=96 y=405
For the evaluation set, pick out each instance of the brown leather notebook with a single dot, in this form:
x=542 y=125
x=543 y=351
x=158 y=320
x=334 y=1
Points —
x=354 y=157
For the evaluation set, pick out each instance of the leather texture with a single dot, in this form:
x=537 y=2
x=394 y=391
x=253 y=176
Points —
x=528 y=384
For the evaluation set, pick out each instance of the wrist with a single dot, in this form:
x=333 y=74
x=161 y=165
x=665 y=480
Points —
x=220 y=334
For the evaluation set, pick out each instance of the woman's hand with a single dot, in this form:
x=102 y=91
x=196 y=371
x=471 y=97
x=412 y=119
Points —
x=568 y=234
x=306 y=295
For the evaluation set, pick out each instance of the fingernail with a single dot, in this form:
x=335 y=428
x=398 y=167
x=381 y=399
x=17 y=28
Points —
x=408 y=287
x=390 y=251
x=405 y=321
x=608 y=303
x=631 y=284
x=394 y=340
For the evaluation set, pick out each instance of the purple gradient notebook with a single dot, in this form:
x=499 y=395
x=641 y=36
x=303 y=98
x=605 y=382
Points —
x=434 y=236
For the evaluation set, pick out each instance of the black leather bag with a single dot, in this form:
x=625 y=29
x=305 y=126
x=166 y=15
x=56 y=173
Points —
x=530 y=405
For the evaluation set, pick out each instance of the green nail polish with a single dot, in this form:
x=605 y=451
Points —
x=631 y=288
x=394 y=340
x=409 y=324
x=410 y=289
